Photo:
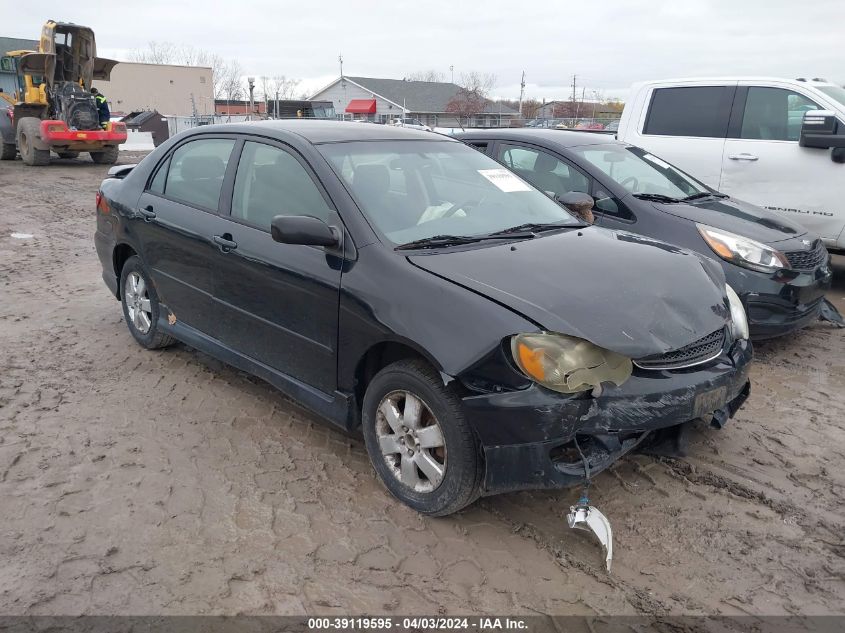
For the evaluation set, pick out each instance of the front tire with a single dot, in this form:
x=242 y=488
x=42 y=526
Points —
x=8 y=151
x=106 y=157
x=28 y=134
x=141 y=307
x=419 y=443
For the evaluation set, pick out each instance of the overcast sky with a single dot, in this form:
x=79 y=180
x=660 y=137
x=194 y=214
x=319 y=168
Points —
x=608 y=44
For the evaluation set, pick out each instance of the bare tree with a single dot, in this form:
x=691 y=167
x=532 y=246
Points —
x=477 y=83
x=170 y=53
x=155 y=53
x=231 y=88
x=471 y=98
x=283 y=87
x=531 y=108
x=427 y=75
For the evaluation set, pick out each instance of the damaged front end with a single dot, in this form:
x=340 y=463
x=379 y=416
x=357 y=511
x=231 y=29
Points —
x=534 y=437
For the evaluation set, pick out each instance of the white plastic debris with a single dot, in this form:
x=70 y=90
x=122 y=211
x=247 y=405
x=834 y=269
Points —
x=22 y=236
x=587 y=518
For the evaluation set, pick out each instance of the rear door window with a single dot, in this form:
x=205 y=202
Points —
x=774 y=114
x=196 y=172
x=702 y=111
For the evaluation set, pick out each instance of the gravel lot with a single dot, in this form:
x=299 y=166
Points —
x=136 y=482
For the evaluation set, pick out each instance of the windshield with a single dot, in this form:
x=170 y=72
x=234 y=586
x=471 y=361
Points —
x=640 y=172
x=413 y=190
x=834 y=92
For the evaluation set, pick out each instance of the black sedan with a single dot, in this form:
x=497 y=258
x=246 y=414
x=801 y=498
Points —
x=404 y=284
x=778 y=269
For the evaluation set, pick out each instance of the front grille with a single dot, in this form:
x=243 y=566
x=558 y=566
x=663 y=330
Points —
x=809 y=259
x=700 y=351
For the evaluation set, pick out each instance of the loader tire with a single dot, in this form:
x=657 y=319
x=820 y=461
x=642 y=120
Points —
x=107 y=157
x=27 y=134
x=8 y=151
x=68 y=154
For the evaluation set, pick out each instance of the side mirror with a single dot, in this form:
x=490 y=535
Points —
x=581 y=204
x=819 y=129
x=303 y=229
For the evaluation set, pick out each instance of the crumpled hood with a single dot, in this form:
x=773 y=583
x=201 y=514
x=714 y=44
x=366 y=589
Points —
x=737 y=217
x=626 y=293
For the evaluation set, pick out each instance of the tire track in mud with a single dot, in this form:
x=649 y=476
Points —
x=135 y=482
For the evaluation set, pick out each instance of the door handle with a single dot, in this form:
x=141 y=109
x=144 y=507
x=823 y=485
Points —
x=742 y=157
x=225 y=242
x=147 y=213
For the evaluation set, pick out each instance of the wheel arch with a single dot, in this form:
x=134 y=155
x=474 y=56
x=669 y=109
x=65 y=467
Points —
x=377 y=357
x=121 y=253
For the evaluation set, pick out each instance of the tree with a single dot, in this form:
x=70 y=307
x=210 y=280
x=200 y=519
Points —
x=531 y=108
x=170 y=53
x=427 y=75
x=230 y=86
x=471 y=98
x=477 y=83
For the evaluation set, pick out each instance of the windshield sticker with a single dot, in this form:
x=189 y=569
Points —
x=504 y=180
x=653 y=159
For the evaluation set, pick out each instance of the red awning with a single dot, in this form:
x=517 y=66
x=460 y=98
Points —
x=362 y=106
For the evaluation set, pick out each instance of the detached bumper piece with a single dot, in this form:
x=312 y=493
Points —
x=586 y=517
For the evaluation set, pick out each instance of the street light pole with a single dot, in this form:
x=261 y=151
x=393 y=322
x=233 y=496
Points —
x=251 y=81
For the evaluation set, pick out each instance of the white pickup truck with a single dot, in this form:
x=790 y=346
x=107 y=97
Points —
x=778 y=143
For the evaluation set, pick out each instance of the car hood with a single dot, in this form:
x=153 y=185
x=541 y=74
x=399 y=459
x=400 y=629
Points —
x=737 y=217
x=626 y=293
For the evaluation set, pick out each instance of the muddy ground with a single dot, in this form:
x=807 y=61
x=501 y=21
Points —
x=136 y=482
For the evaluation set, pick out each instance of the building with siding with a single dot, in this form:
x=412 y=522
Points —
x=385 y=100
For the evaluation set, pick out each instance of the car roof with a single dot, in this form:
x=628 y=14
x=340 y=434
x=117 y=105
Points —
x=320 y=131
x=813 y=83
x=543 y=136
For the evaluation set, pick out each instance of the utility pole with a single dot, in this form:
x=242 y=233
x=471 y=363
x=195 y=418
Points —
x=452 y=70
x=521 y=93
x=340 y=60
x=573 y=90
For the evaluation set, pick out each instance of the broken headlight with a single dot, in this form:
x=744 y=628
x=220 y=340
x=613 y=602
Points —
x=568 y=364
x=739 y=321
x=743 y=251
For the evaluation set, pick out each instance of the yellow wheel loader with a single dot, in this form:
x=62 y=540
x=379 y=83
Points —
x=53 y=109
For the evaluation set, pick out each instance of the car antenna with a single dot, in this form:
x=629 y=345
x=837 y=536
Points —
x=583 y=516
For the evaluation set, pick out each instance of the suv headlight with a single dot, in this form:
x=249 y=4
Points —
x=743 y=251
x=568 y=364
x=739 y=321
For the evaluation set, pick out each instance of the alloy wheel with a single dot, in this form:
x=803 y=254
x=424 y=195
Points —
x=411 y=441
x=138 y=302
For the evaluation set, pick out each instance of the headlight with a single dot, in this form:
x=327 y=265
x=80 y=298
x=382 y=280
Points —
x=568 y=364
x=739 y=322
x=743 y=251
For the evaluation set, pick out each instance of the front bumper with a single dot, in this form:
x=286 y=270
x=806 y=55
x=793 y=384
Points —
x=779 y=303
x=527 y=435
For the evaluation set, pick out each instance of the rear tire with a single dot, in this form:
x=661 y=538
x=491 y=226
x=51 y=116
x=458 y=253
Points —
x=141 y=307
x=27 y=135
x=8 y=151
x=107 y=157
x=427 y=458
x=68 y=154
